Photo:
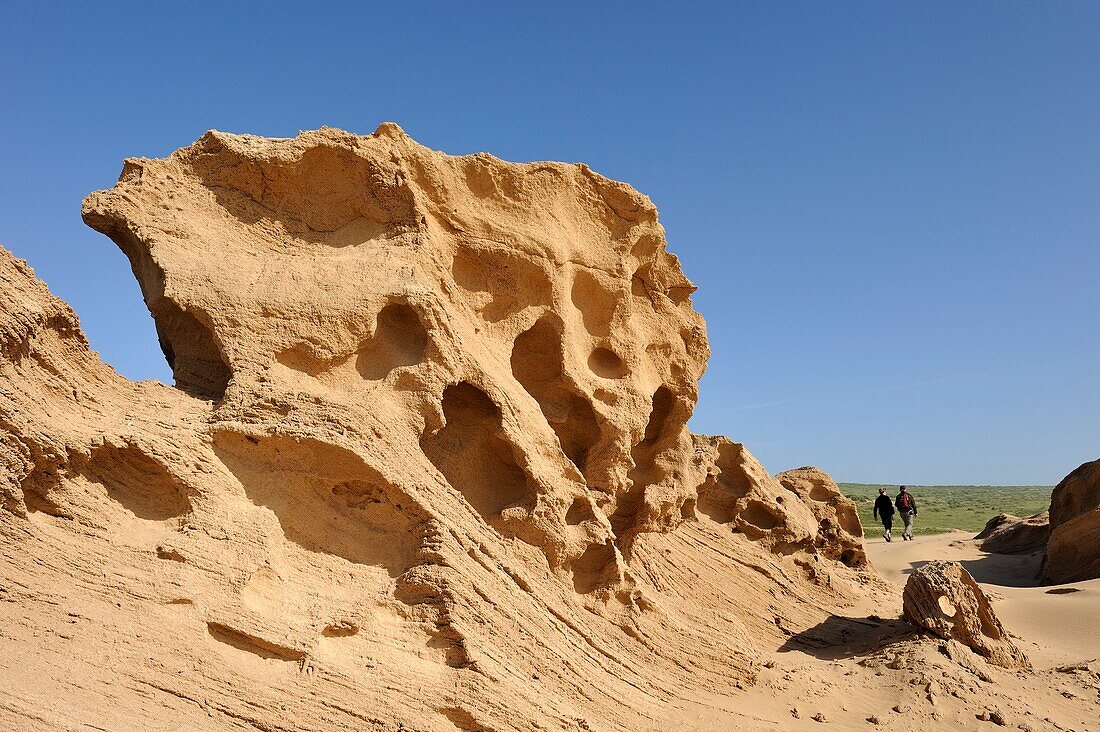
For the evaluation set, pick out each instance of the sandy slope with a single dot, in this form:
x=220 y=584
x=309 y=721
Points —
x=1056 y=624
x=852 y=669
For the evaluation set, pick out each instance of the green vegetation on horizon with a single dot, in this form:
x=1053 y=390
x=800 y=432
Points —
x=941 y=508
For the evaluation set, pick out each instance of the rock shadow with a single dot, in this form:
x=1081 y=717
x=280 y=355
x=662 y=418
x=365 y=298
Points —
x=399 y=340
x=538 y=365
x=1005 y=570
x=838 y=637
x=137 y=482
x=474 y=455
x=326 y=499
x=192 y=352
x=253 y=644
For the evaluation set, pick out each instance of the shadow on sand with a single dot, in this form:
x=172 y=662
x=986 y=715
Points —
x=1006 y=570
x=838 y=637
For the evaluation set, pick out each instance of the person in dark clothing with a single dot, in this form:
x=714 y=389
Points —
x=907 y=507
x=884 y=512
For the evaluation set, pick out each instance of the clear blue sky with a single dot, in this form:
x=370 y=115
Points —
x=892 y=210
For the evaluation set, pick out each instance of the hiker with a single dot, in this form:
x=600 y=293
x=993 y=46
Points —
x=907 y=507
x=884 y=512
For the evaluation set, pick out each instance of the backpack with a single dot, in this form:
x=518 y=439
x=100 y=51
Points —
x=906 y=502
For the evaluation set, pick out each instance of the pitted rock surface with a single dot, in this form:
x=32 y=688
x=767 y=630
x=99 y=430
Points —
x=427 y=464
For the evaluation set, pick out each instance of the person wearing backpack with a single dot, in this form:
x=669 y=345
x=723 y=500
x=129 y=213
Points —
x=884 y=512
x=907 y=507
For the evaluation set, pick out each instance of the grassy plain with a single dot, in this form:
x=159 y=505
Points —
x=941 y=508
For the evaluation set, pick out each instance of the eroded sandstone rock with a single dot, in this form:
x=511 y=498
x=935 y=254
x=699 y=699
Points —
x=1073 y=551
x=943 y=598
x=839 y=531
x=428 y=443
x=1008 y=534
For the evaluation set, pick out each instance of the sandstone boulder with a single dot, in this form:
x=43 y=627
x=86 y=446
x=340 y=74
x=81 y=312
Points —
x=1073 y=551
x=1008 y=534
x=942 y=597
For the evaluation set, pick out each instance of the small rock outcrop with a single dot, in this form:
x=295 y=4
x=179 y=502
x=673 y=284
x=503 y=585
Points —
x=942 y=598
x=839 y=531
x=1008 y=534
x=1073 y=551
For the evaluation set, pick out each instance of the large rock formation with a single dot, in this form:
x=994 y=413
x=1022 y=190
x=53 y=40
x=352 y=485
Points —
x=943 y=598
x=1008 y=534
x=427 y=465
x=1073 y=552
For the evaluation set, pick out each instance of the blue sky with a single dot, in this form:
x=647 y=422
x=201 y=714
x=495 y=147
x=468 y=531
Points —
x=892 y=210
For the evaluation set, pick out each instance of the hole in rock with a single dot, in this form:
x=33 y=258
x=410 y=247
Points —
x=170 y=555
x=471 y=452
x=512 y=282
x=326 y=499
x=687 y=509
x=663 y=402
x=462 y=720
x=302 y=358
x=197 y=364
x=718 y=496
x=640 y=284
x=39 y=502
x=644 y=455
x=1062 y=590
x=946 y=607
x=252 y=644
x=137 y=482
x=342 y=629
x=399 y=340
x=760 y=516
x=537 y=365
x=849 y=558
x=606 y=364
x=848 y=519
x=579 y=512
x=41 y=488
x=595 y=301
x=595 y=568
x=717 y=504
